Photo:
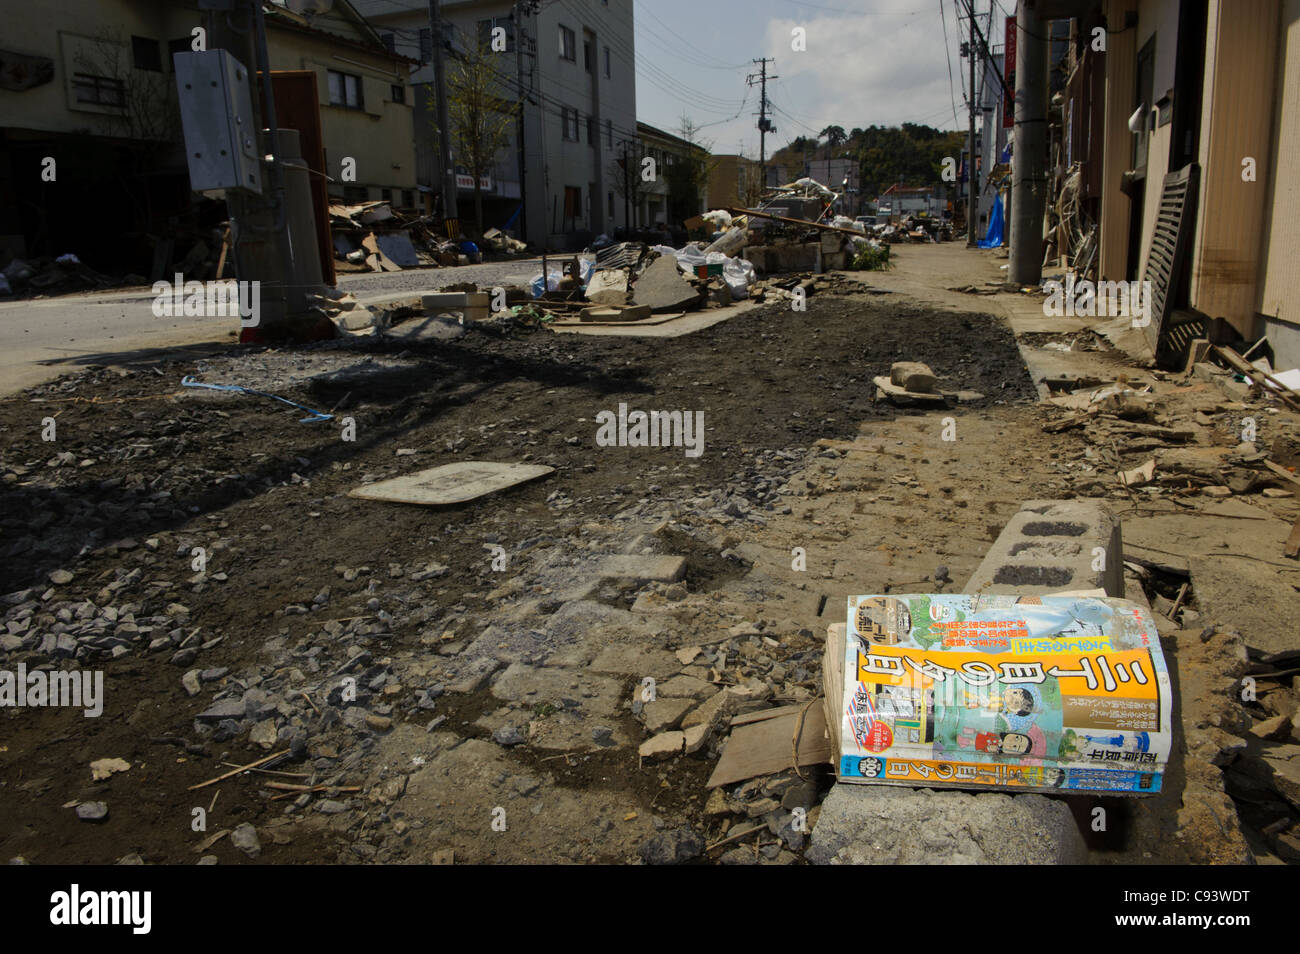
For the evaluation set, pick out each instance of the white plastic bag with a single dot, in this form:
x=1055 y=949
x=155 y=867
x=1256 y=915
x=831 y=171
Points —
x=738 y=274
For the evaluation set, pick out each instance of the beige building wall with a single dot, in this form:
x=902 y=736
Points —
x=381 y=135
x=1279 y=286
x=81 y=36
x=1121 y=56
x=1237 y=122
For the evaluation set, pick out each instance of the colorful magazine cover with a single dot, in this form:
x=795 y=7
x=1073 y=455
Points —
x=1050 y=693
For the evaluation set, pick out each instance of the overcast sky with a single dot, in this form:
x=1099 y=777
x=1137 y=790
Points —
x=867 y=61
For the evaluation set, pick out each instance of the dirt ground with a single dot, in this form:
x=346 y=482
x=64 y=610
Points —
x=495 y=718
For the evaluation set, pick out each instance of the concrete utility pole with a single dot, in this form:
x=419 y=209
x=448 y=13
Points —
x=1029 y=161
x=260 y=238
x=519 y=129
x=450 y=208
x=627 y=218
x=764 y=125
x=971 y=177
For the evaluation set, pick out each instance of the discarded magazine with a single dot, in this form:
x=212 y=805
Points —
x=1051 y=693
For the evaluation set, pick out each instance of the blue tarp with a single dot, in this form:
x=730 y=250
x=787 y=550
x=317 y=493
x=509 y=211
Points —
x=993 y=237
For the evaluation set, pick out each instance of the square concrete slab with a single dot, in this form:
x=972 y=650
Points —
x=451 y=483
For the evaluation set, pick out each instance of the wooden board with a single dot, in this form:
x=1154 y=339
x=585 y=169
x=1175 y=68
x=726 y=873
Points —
x=451 y=483
x=297 y=106
x=764 y=748
x=1292 y=547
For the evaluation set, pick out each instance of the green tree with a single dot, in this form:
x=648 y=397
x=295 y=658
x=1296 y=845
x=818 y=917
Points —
x=480 y=117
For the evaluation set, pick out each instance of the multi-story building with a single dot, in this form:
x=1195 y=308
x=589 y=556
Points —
x=364 y=95
x=679 y=188
x=1184 y=137
x=91 y=156
x=734 y=181
x=574 y=74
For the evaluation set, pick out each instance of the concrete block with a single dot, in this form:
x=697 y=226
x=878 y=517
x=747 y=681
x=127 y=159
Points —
x=662 y=569
x=878 y=824
x=1050 y=546
x=797 y=258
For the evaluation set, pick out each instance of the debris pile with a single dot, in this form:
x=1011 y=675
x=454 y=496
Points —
x=376 y=237
x=47 y=275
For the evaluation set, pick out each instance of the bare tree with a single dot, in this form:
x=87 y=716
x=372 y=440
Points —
x=625 y=175
x=137 y=106
x=689 y=175
x=479 y=115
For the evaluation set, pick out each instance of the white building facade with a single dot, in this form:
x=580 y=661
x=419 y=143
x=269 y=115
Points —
x=575 y=71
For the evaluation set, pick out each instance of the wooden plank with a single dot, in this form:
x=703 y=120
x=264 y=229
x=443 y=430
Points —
x=762 y=715
x=221 y=259
x=1292 y=547
x=804 y=222
x=1258 y=377
x=1281 y=471
x=764 y=748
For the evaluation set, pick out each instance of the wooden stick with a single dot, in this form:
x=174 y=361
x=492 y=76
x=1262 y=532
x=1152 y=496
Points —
x=1182 y=595
x=234 y=772
x=262 y=771
x=290 y=787
x=736 y=837
x=804 y=222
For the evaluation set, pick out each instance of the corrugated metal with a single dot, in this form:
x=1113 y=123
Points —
x=1280 y=287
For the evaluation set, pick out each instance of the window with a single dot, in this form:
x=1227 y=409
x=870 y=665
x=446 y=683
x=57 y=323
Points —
x=399 y=94
x=389 y=41
x=588 y=57
x=408 y=199
x=181 y=45
x=486 y=26
x=426 y=45
x=569 y=121
x=572 y=207
x=609 y=134
x=345 y=90
x=1143 y=93
x=386 y=195
x=591 y=132
x=99 y=90
x=355 y=193
x=568 y=45
x=146 y=54
x=607 y=72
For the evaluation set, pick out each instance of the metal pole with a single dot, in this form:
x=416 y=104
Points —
x=519 y=78
x=1029 y=162
x=451 y=210
x=970 y=149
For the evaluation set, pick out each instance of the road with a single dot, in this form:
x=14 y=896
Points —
x=47 y=337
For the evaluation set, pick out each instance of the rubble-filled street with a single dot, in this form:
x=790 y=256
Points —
x=552 y=672
x=567 y=433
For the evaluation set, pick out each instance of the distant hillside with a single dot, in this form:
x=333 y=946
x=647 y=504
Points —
x=912 y=154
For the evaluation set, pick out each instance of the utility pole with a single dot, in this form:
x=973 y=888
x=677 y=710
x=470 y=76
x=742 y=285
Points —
x=1029 y=161
x=971 y=175
x=627 y=217
x=764 y=125
x=450 y=209
x=519 y=129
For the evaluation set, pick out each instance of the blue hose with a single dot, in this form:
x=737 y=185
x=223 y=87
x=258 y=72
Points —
x=189 y=382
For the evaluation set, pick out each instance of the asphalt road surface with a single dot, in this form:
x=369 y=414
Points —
x=43 y=338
